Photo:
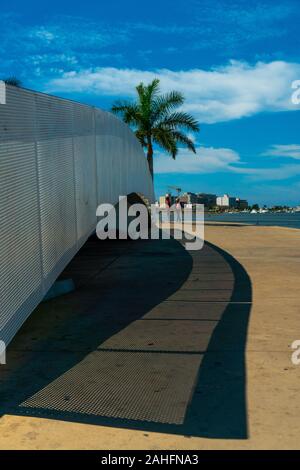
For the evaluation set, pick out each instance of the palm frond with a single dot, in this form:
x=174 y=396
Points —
x=166 y=141
x=141 y=136
x=179 y=119
x=13 y=81
x=129 y=112
x=181 y=138
x=140 y=91
x=164 y=104
x=152 y=89
x=154 y=119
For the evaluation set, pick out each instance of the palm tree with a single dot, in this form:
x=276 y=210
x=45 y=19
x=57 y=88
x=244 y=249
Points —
x=156 y=120
x=14 y=81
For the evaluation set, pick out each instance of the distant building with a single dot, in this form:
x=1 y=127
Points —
x=241 y=203
x=189 y=198
x=209 y=200
x=226 y=201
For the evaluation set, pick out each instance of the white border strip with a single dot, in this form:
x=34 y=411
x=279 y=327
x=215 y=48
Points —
x=2 y=92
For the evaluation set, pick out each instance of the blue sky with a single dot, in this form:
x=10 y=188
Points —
x=235 y=61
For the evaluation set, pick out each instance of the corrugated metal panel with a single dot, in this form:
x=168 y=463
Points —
x=20 y=249
x=58 y=160
x=54 y=137
x=2 y=92
x=85 y=171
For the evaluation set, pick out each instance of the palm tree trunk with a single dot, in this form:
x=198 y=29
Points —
x=150 y=157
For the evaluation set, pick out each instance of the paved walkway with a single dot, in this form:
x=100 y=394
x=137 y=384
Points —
x=149 y=351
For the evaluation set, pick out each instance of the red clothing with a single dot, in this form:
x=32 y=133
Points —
x=168 y=202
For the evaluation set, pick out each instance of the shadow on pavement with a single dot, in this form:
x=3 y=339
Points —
x=153 y=338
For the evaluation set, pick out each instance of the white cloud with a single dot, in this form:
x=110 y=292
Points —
x=206 y=160
x=231 y=92
x=60 y=37
x=211 y=160
x=282 y=172
x=42 y=33
x=289 y=151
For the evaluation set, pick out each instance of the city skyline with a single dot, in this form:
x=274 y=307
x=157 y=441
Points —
x=200 y=194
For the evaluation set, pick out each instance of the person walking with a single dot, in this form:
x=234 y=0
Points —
x=168 y=205
x=178 y=209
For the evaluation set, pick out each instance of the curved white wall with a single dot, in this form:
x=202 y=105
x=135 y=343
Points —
x=58 y=160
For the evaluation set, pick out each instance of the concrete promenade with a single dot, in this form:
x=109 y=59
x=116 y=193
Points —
x=160 y=348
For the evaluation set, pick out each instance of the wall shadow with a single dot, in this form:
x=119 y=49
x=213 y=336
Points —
x=62 y=331
x=219 y=405
x=136 y=279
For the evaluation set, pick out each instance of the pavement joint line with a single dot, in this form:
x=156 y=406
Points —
x=262 y=351
x=159 y=351
x=210 y=301
x=205 y=289
x=147 y=351
x=179 y=319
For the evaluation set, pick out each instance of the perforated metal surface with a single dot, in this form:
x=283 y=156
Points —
x=203 y=295
x=2 y=92
x=187 y=311
x=85 y=170
x=57 y=206
x=20 y=266
x=163 y=335
x=58 y=160
x=55 y=153
x=134 y=386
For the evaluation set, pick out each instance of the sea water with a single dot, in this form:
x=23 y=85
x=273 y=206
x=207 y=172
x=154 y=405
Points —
x=281 y=219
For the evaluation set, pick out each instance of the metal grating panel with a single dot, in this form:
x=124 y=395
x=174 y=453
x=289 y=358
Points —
x=85 y=171
x=58 y=160
x=211 y=311
x=54 y=117
x=2 y=92
x=163 y=335
x=57 y=204
x=20 y=250
x=134 y=386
